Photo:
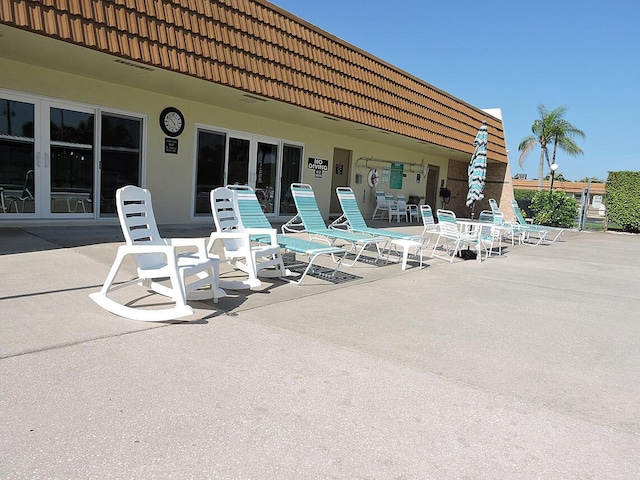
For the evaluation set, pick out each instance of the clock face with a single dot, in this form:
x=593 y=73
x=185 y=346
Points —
x=172 y=121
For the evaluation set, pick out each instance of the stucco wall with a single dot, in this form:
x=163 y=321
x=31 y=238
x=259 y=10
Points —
x=170 y=177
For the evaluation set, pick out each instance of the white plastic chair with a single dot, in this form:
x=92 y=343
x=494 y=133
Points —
x=394 y=209
x=381 y=205
x=158 y=259
x=3 y=207
x=449 y=232
x=430 y=226
x=259 y=259
x=413 y=212
x=26 y=196
x=403 y=209
x=491 y=234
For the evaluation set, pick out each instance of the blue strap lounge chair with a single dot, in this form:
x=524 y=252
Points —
x=526 y=233
x=353 y=220
x=544 y=233
x=309 y=220
x=252 y=217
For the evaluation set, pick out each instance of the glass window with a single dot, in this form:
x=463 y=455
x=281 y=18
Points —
x=121 y=157
x=243 y=159
x=72 y=135
x=291 y=165
x=238 y=161
x=16 y=156
x=266 y=175
x=210 y=168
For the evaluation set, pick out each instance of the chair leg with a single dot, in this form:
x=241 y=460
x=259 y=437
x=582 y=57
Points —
x=180 y=309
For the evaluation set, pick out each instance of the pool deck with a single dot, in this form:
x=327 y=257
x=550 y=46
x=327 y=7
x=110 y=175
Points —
x=525 y=365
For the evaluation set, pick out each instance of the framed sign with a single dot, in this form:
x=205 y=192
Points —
x=171 y=145
x=318 y=164
x=397 y=174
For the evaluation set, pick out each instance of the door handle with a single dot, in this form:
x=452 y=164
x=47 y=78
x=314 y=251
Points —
x=46 y=160
x=38 y=159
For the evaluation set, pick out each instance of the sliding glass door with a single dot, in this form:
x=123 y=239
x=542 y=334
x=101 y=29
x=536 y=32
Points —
x=50 y=160
x=17 y=157
x=267 y=165
x=67 y=170
x=46 y=158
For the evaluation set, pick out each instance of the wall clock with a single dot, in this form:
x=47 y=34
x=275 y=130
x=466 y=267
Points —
x=171 y=121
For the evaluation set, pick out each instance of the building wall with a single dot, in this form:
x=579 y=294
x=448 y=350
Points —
x=170 y=177
x=458 y=183
x=259 y=48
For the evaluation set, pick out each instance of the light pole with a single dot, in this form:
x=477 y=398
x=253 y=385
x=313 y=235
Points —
x=554 y=167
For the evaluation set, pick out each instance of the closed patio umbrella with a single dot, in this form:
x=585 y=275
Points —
x=478 y=167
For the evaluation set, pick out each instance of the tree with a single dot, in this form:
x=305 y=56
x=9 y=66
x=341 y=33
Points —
x=550 y=129
x=558 y=177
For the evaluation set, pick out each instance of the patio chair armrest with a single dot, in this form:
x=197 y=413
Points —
x=199 y=243
x=167 y=250
x=186 y=242
x=263 y=232
x=234 y=235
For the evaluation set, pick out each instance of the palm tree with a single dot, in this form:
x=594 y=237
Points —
x=550 y=128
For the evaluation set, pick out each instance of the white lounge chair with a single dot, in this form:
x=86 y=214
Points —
x=310 y=221
x=158 y=259
x=430 y=226
x=253 y=219
x=353 y=220
x=543 y=233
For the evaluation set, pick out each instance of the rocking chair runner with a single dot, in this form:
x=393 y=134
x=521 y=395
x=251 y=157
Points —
x=158 y=259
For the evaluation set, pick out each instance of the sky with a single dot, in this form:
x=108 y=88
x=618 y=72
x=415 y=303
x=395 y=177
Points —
x=580 y=54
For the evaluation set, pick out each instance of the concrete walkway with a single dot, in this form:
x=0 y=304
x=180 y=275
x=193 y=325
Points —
x=522 y=366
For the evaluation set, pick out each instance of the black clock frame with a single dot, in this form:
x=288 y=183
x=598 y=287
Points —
x=163 y=114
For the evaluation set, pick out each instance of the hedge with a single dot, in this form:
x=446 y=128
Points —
x=623 y=200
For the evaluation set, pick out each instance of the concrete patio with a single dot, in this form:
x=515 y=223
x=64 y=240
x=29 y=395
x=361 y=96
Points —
x=521 y=366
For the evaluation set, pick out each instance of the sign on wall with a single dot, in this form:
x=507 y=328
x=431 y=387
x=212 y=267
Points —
x=397 y=174
x=319 y=165
x=171 y=145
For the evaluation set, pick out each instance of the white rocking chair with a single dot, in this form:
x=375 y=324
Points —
x=158 y=259
x=255 y=259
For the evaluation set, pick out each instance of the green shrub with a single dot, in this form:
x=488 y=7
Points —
x=557 y=210
x=524 y=197
x=623 y=200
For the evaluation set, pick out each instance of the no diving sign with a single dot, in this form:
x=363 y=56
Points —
x=319 y=165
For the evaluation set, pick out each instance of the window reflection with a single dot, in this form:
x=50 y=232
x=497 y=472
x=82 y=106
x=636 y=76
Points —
x=17 y=189
x=210 y=165
x=72 y=163
x=121 y=158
